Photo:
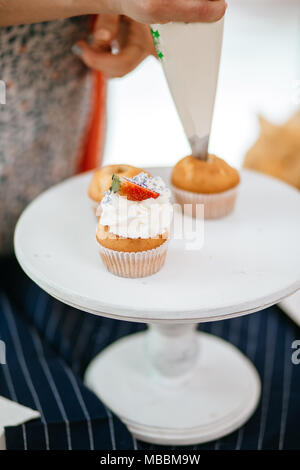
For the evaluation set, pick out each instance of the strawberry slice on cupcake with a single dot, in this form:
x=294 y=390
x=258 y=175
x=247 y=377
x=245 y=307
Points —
x=129 y=188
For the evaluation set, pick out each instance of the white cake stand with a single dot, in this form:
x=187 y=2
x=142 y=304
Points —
x=171 y=385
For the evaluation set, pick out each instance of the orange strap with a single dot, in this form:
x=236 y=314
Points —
x=93 y=147
x=95 y=138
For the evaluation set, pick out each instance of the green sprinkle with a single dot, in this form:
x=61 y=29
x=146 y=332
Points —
x=115 y=185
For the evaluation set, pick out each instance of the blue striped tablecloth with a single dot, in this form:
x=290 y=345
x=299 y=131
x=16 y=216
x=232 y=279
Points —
x=49 y=346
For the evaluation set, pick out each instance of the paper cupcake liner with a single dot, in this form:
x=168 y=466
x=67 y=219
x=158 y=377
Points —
x=215 y=205
x=133 y=265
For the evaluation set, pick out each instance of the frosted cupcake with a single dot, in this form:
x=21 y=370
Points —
x=134 y=225
x=210 y=182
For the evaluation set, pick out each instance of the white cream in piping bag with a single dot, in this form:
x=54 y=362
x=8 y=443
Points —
x=190 y=55
x=138 y=219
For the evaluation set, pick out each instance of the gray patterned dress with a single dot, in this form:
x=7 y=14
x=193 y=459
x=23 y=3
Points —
x=42 y=124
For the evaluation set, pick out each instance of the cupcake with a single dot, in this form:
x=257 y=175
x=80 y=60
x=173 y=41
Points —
x=101 y=180
x=210 y=182
x=134 y=225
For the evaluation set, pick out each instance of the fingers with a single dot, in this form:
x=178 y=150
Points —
x=189 y=11
x=213 y=10
x=204 y=11
x=105 y=30
x=111 y=65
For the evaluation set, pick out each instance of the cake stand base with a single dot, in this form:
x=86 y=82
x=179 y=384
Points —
x=215 y=396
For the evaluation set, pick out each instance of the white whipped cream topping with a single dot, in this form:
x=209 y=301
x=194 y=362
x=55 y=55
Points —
x=138 y=219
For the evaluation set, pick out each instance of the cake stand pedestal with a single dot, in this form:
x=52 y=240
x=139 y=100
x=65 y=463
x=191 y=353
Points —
x=174 y=386
x=171 y=385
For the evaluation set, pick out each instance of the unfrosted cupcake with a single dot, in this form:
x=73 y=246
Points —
x=134 y=225
x=101 y=180
x=210 y=182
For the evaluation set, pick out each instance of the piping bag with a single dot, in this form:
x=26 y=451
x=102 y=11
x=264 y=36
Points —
x=190 y=55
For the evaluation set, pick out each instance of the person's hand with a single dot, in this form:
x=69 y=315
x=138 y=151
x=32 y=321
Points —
x=163 y=11
x=118 y=45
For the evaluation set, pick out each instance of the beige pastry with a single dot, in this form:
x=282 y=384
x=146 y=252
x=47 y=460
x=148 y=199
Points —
x=210 y=182
x=114 y=242
x=277 y=150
